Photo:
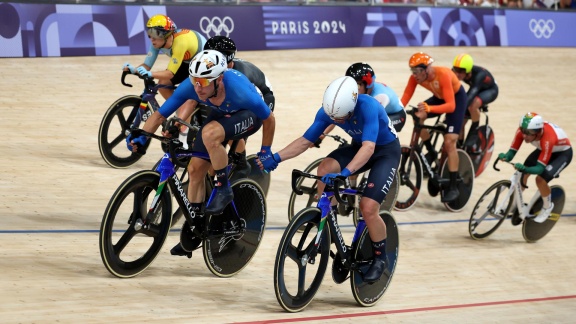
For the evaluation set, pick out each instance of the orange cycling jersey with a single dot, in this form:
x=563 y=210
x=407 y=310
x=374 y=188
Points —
x=444 y=85
x=554 y=139
x=186 y=44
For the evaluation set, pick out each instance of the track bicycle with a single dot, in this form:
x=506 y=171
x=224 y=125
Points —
x=304 y=251
x=505 y=199
x=310 y=193
x=139 y=215
x=130 y=111
x=415 y=166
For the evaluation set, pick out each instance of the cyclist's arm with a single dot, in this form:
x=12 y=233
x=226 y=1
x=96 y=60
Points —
x=476 y=85
x=362 y=156
x=297 y=147
x=184 y=92
x=409 y=91
x=268 y=130
x=151 y=57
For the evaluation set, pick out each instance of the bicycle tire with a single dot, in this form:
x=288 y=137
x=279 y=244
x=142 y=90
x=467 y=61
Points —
x=132 y=253
x=364 y=293
x=465 y=187
x=112 y=135
x=410 y=183
x=294 y=294
x=226 y=249
x=489 y=220
x=310 y=191
x=262 y=178
x=532 y=231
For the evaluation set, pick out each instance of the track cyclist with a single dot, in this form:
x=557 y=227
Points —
x=375 y=147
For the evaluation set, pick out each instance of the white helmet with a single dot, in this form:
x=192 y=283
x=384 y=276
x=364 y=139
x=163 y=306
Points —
x=340 y=97
x=209 y=64
x=531 y=122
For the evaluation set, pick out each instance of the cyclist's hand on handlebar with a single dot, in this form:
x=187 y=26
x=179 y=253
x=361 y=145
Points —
x=520 y=167
x=136 y=144
x=143 y=72
x=318 y=142
x=423 y=110
x=508 y=156
x=328 y=178
x=129 y=67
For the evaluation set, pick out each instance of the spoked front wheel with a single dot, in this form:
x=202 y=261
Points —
x=410 y=179
x=369 y=294
x=491 y=210
x=234 y=236
x=114 y=128
x=465 y=186
x=300 y=265
x=127 y=247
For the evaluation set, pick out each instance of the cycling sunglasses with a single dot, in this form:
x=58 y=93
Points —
x=529 y=131
x=200 y=81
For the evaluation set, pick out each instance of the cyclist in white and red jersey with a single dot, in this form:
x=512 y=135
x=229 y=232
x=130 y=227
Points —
x=552 y=155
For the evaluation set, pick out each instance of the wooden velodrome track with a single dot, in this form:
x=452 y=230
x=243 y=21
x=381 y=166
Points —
x=55 y=187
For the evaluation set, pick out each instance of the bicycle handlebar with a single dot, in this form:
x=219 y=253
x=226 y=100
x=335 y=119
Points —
x=337 y=138
x=498 y=160
x=148 y=81
x=338 y=181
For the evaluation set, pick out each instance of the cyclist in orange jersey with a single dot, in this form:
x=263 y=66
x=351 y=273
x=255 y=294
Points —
x=449 y=97
x=181 y=45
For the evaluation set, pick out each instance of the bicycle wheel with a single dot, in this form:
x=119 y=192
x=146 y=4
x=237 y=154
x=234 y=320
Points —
x=262 y=178
x=127 y=248
x=532 y=231
x=466 y=173
x=300 y=265
x=368 y=294
x=113 y=131
x=308 y=187
x=410 y=174
x=491 y=210
x=234 y=236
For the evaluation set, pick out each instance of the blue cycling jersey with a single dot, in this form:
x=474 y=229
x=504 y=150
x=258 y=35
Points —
x=394 y=104
x=241 y=94
x=369 y=122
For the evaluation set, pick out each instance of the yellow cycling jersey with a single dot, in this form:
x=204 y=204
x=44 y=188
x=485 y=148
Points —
x=185 y=45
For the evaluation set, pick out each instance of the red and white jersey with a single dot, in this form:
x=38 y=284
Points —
x=553 y=139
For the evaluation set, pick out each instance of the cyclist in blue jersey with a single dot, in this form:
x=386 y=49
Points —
x=375 y=147
x=238 y=111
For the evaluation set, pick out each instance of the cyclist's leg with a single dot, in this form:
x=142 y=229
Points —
x=335 y=162
x=484 y=97
x=557 y=163
x=454 y=123
x=384 y=164
x=398 y=119
x=215 y=132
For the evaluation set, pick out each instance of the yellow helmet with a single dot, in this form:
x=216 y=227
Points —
x=160 y=26
x=463 y=62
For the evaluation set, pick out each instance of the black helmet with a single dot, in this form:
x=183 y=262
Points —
x=222 y=44
x=362 y=72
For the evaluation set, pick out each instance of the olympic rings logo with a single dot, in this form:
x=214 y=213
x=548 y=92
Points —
x=542 y=28
x=215 y=26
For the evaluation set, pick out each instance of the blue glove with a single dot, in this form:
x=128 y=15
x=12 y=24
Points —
x=264 y=154
x=271 y=163
x=140 y=141
x=129 y=66
x=329 y=177
x=143 y=72
x=520 y=167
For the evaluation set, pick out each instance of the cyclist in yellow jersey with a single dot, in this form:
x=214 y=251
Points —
x=181 y=45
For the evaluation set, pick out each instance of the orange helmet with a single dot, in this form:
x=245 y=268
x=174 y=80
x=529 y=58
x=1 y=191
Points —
x=420 y=59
